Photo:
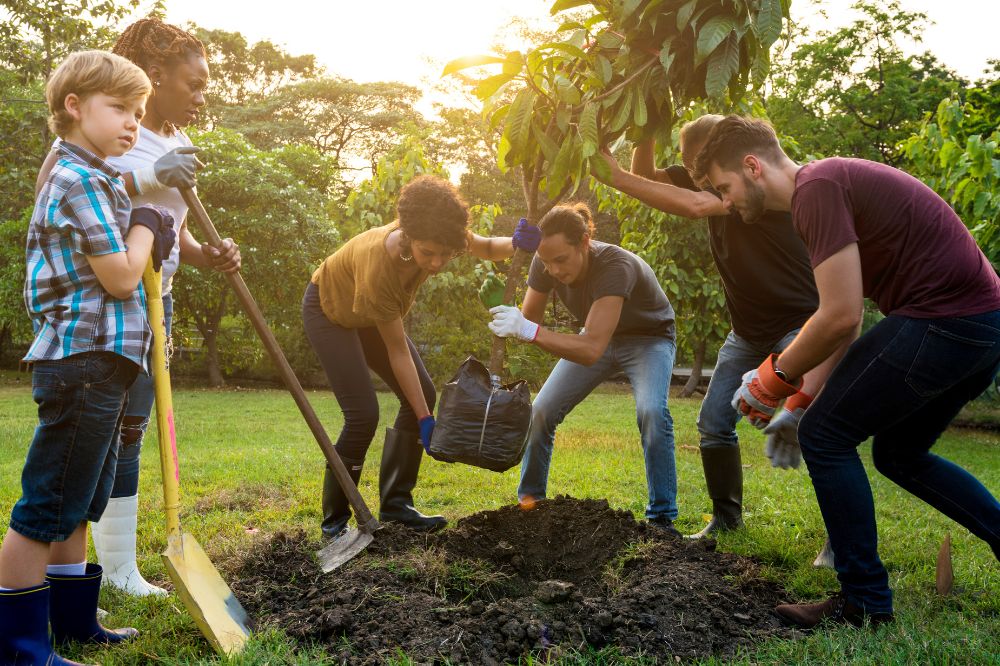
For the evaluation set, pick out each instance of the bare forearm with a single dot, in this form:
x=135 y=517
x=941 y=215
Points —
x=817 y=349
x=191 y=253
x=583 y=349
x=119 y=273
x=495 y=248
x=405 y=373
x=643 y=157
x=669 y=198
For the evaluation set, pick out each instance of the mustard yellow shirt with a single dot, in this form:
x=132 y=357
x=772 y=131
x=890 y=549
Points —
x=359 y=286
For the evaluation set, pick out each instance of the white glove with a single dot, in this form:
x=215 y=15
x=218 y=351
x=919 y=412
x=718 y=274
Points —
x=782 y=432
x=743 y=393
x=508 y=322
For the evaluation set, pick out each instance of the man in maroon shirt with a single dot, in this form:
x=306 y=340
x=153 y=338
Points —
x=871 y=231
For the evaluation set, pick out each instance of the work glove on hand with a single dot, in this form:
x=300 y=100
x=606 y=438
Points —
x=225 y=259
x=426 y=432
x=161 y=223
x=762 y=389
x=508 y=322
x=526 y=236
x=174 y=169
x=492 y=289
x=782 y=446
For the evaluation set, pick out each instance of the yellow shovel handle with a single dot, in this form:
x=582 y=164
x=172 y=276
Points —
x=166 y=433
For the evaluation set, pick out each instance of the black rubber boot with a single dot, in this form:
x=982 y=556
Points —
x=24 y=629
x=73 y=609
x=396 y=479
x=336 y=508
x=724 y=478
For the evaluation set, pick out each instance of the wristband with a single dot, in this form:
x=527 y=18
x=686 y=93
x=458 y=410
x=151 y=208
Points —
x=146 y=181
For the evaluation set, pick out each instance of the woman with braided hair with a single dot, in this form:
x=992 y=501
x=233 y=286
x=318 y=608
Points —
x=162 y=160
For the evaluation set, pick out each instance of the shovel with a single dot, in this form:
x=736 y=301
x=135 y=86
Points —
x=353 y=541
x=211 y=603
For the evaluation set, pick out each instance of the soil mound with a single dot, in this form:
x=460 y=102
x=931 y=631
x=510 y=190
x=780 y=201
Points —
x=569 y=576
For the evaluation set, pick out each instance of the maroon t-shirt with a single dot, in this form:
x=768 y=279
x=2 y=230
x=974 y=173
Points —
x=917 y=258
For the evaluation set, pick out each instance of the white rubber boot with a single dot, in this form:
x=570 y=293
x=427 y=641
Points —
x=114 y=541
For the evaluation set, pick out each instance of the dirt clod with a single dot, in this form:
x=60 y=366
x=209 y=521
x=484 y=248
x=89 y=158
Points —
x=499 y=585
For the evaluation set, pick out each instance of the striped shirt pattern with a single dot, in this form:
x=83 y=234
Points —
x=82 y=210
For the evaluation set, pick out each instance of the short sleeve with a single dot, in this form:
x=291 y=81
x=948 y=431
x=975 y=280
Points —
x=823 y=216
x=679 y=177
x=616 y=278
x=87 y=212
x=538 y=278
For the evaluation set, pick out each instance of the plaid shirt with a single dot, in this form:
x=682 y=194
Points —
x=82 y=210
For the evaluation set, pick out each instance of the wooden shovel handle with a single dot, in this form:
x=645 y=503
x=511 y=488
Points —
x=498 y=352
x=366 y=521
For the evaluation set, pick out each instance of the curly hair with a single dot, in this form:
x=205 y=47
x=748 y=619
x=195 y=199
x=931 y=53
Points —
x=431 y=209
x=150 y=41
x=732 y=139
x=572 y=220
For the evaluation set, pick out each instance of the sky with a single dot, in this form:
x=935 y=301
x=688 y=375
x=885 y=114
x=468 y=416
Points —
x=403 y=40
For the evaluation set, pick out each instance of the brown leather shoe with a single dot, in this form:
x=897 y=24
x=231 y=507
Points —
x=835 y=610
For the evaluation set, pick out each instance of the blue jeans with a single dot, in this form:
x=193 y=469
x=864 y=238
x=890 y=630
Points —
x=901 y=384
x=648 y=363
x=140 y=405
x=70 y=464
x=717 y=418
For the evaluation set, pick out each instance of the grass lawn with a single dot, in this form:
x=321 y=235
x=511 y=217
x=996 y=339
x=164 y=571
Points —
x=249 y=468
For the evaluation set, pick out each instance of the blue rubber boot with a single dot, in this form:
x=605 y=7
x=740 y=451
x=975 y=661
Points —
x=24 y=629
x=73 y=610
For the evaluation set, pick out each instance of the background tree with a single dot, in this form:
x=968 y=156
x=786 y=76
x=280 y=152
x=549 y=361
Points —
x=273 y=204
x=852 y=90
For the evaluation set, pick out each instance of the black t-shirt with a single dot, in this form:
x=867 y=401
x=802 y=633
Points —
x=613 y=271
x=765 y=271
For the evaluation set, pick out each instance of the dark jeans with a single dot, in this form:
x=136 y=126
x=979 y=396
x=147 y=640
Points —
x=70 y=466
x=346 y=355
x=901 y=383
x=136 y=421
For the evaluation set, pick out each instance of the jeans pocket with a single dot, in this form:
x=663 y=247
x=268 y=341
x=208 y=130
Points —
x=48 y=395
x=102 y=367
x=944 y=359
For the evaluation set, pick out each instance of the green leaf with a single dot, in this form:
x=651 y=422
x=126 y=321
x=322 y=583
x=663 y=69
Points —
x=600 y=168
x=628 y=8
x=563 y=5
x=518 y=123
x=622 y=115
x=684 y=14
x=639 y=115
x=604 y=69
x=667 y=56
x=560 y=167
x=490 y=85
x=566 y=91
x=465 y=62
x=760 y=68
x=711 y=35
x=769 y=22
x=723 y=64
x=548 y=146
x=588 y=127
x=609 y=40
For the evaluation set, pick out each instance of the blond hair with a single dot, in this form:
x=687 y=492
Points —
x=695 y=133
x=86 y=73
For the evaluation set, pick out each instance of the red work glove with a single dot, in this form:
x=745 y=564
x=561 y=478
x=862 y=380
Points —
x=761 y=391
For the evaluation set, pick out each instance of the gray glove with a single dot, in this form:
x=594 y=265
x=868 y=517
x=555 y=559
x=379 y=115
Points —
x=782 y=446
x=176 y=168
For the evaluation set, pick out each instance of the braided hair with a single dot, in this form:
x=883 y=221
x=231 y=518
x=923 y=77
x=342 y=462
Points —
x=150 y=41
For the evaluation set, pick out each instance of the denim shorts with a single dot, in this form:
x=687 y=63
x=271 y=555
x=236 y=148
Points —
x=70 y=467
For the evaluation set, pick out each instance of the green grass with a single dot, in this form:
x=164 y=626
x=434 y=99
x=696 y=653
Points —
x=249 y=467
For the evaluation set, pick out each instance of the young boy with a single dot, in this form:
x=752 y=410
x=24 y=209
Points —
x=85 y=257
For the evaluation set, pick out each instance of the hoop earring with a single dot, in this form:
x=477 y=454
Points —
x=406 y=258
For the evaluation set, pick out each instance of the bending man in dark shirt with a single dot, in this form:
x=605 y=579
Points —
x=769 y=291
x=871 y=231
x=628 y=327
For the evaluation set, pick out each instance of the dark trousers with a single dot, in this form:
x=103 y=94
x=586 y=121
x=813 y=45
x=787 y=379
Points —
x=347 y=355
x=901 y=384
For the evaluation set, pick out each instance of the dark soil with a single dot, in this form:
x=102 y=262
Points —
x=569 y=576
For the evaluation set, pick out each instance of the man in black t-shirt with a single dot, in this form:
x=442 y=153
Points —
x=628 y=326
x=769 y=291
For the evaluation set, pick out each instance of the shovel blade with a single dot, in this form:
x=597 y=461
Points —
x=343 y=549
x=211 y=603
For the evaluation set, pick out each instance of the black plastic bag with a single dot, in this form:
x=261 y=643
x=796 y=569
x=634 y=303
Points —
x=478 y=424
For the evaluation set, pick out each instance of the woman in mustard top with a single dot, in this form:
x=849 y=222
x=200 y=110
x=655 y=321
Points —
x=353 y=312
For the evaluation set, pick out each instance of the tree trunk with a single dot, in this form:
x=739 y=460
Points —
x=215 y=378
x=695 y=379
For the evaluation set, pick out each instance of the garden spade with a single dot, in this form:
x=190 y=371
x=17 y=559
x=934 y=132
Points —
x=353 y=541
x=211 y=603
